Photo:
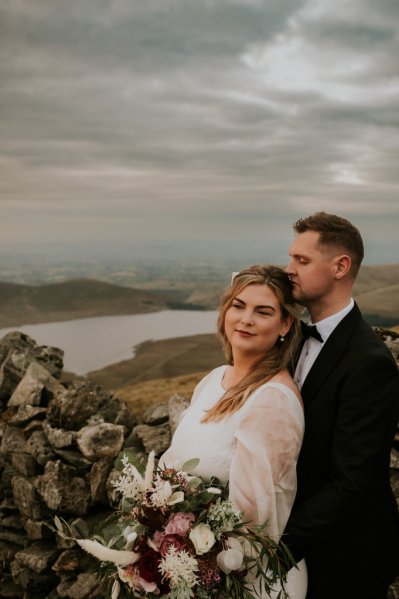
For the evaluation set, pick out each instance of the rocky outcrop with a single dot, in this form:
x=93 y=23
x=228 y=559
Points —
x=58 y=444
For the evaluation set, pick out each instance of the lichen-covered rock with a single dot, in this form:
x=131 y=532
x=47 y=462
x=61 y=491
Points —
x=63 y=491
x=36 y=387
x=156 y=438
x=26 y=498
x=98 y=479
x=13 y=440
x=32 y=581
x=38 y=446
x=58 y=437
x=37 y=530
x=25 y=464
x=17 y=351
x=24 y=414
x=157 y=414
x=103 y=440
x=80 y=588
x=84 y=401
x=38 y=557
x=176 y=406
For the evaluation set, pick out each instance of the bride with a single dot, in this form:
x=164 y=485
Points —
x=245 y=422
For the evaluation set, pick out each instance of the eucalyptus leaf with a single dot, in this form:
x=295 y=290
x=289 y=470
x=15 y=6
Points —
x=190 y=464
x=194 y=483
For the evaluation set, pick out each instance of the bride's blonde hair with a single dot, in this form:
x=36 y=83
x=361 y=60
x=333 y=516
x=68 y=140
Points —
x=281 y=356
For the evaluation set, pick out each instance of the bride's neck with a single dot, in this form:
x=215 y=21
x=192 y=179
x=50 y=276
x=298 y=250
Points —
x=237 y=371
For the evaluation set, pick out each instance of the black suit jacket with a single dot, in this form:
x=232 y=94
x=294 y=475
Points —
x=345 y=519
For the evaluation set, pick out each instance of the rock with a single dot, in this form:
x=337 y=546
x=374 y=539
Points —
x=13 y=440
x=103 y=440
x=17 y=351
x=394 y=459
x=176 y=406
x=10 y=590
x=7 y=552
x=36 y=387
x=38 y=446
x=25 y=464
x=26 y=498
x=68 y=561
x=39 y=556
x=75 y=458
x=38 y=529
x=84 y=400
x=58 y=437
x=155 y=438
x=30 y=580
x=98 y=478
x=81 y=588
x=24 y=414
x=12 y=536
x=61 y=490
x=158 y=414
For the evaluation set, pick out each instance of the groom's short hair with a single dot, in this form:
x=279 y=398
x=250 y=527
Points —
x=335 y=231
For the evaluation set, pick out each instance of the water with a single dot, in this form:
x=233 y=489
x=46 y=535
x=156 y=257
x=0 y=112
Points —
x=92 y=343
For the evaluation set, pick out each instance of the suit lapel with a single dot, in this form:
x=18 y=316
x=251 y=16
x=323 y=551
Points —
x=330 y=355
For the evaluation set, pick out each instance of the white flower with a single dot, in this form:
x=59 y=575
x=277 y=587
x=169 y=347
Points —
x=202 y=538
x=176 y=498
x=130 y=482
x=130 y=535
x=179 y=566
x=214 y=490
x=163 y=494
x=120 y=558
x=116 y=589
x=231 y=558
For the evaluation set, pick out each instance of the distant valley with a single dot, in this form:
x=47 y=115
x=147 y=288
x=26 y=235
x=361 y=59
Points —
x=376 y=291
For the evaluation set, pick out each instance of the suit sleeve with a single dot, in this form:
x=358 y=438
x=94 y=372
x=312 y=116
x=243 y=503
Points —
x=367 y=412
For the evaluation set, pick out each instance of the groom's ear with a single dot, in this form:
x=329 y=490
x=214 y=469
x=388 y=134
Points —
x=342 y=265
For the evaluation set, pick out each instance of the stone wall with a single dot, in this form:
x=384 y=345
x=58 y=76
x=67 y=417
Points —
x=58 y=445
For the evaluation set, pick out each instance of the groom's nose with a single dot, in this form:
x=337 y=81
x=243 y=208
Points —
x=289 y=269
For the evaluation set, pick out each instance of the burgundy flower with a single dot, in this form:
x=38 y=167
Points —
x=153 y=518
x=209 y=573
x=171 y=540
x=147 y=565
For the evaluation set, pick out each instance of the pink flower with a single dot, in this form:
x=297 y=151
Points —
x=179 y=523
x=171 y=540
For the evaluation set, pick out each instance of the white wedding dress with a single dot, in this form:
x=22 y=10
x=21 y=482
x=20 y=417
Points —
x=256 y=449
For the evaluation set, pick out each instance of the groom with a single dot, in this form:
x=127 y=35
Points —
x=345 y=519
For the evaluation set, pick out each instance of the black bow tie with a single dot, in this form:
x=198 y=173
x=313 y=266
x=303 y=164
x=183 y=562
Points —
x=311 y=331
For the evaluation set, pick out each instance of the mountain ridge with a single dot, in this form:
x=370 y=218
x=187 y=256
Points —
x=76 y=298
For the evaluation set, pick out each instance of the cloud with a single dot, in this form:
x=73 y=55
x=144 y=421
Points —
x=152 y=119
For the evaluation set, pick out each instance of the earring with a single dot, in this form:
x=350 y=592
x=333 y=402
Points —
x=281 y=339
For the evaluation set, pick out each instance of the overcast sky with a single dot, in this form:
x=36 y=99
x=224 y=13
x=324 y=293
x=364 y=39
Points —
x=197 y=127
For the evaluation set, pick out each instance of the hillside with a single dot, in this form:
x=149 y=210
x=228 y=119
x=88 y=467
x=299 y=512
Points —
x=384 y=301
x=162 y=359
x=142 y=396
x=80 y=298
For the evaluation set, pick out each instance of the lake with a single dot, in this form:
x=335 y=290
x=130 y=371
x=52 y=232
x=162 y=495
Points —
x=92 y=343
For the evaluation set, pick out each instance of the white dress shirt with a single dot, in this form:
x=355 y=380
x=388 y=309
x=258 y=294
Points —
x=312 y=347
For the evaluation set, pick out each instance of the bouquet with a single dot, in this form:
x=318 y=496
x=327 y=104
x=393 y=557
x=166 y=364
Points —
x=175 y=536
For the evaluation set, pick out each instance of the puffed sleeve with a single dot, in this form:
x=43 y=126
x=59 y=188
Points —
x=263 y=468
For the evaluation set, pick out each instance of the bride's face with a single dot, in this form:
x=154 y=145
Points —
x=253 y=323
